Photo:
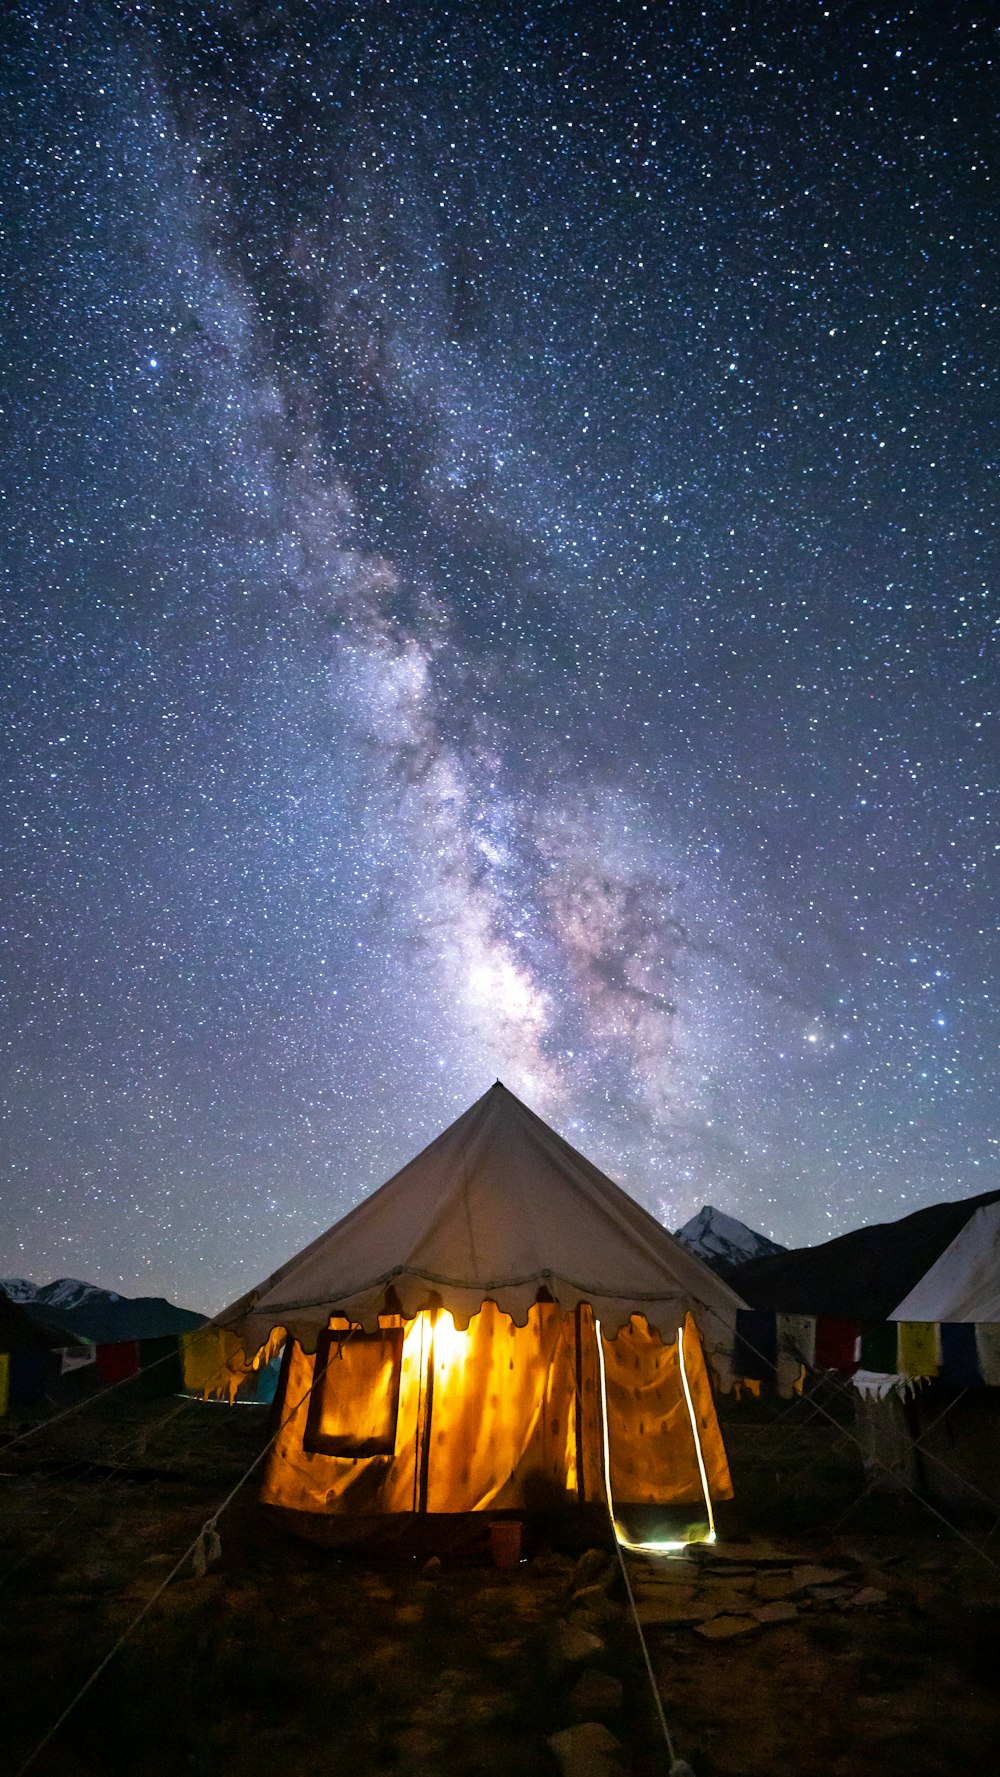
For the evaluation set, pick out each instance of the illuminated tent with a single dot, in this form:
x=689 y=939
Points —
x=497 y=1328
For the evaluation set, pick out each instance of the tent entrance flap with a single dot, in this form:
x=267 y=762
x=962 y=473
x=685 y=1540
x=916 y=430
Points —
x=354 y=1403
x=665 y=1444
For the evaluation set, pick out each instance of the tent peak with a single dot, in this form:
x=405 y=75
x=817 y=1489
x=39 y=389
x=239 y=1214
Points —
x=497 y=1204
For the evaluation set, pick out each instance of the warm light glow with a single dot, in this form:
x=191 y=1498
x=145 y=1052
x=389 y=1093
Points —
x=654 y=1547
x=658 y=1548
x=451 y=1348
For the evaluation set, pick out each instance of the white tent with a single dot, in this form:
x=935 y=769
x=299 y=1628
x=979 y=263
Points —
x=964 y=1283
x=497 y=1326
x=497 y=1207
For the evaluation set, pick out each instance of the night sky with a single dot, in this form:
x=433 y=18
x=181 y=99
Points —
x=499 y=579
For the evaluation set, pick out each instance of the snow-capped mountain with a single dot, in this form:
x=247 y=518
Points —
x=722 y=1241
x=101 y=1315
x=65 y=1292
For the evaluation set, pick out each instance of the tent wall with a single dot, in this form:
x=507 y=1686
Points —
x=496 y=1418
x=654 y=1460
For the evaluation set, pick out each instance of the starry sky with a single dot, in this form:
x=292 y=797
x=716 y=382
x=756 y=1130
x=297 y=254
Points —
x=499 y=579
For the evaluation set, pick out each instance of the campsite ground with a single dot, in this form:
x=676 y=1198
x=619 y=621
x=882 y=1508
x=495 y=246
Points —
x=285 y=1658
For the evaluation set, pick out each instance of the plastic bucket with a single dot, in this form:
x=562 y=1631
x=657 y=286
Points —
x=505 y=1541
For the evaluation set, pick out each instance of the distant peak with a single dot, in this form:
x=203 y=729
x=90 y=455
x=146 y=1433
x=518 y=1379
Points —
x=722 y=1241
x=63 y=1292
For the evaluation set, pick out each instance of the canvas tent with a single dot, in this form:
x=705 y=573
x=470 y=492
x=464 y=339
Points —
x=964 y=1282
x=943 y=1438
x=495 y=1329
x=29 y=1361
x=917 y=1303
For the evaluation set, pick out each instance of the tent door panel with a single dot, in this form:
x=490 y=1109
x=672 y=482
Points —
x=354 y=1403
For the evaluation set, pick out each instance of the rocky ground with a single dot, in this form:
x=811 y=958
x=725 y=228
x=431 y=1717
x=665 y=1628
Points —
x=855 y=1652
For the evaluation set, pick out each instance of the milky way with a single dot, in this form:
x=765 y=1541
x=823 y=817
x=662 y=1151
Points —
x=500 y=580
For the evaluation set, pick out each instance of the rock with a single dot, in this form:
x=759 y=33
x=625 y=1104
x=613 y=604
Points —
x=548 y=1563
x=743 y=1555
x=733 y=1572
x=480 y=1711
x=776 y=1585
x=595 y=1567
x=672 y=1570
x=870 y=1595
x=595 y=1695
x=431 y=1568
x=766 y=1555
x=587 y=1750
x=776 y=1613
x=593 y=1608
x=589 y=1595
x=724 y=1601
x=409 y=1613
x=726 y=1628
x=817 y=1576
x=666 y=1595
x=829 y=1594
x=672 y=1610
x=569 y=1645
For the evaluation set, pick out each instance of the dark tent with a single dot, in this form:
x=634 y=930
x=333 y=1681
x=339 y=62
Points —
x=29 y=1360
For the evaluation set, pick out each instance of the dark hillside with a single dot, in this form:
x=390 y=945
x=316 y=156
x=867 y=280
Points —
x=862 y=1275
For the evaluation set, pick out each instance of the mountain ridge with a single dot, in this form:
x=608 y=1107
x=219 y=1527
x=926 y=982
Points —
x=87 y=1311
x=863 y=1274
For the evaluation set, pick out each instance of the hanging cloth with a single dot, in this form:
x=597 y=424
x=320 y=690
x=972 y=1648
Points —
x=959 y=1356
x=879 y=1340
x=918 y=1348
x=796 y=1340
x=837 y=1344
x=116 y=1363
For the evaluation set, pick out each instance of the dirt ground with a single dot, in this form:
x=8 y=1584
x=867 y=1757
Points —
x=829 y=1631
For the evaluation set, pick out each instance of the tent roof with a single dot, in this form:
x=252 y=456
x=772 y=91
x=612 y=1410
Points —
x=498 y=1206
x=964 y=1283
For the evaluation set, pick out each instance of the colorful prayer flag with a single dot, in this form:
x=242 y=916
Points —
x=879 y=1342
x=161 y=1371
x=836 y=1344
x=959 y=1356
x=116 y=1363
x=918 y=1348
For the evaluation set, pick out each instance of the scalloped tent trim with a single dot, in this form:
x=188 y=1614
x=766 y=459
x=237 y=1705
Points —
x=497 y=1208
